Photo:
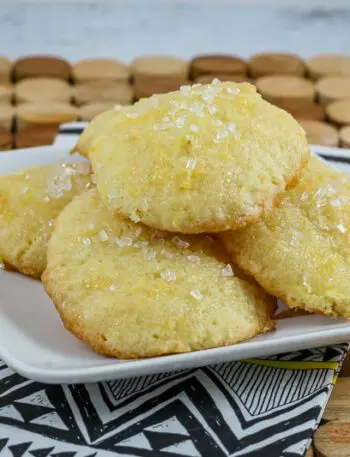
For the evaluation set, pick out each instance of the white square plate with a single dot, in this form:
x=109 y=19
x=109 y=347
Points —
x=34 y=342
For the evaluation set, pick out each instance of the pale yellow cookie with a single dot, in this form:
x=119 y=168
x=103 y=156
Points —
x=203 y=159
x=29 y=204
x=100 y=125
x=130 y=291
x=301 y=252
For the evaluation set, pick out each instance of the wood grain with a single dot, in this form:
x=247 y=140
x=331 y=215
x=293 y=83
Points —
x=103 y=91
x=6 y=139
x=160 y=67
x=5 y=69
x=310 y=452
x=44 y=114
x=41 y=66
x=338 y=407
x=328 y=65
x=333 y=88
x=96 y=69
x=147 y=86
x=275 y=63
x=217 y=64
x=333 y=440
x=344 y=135
x=42 y=90
x=338 y=112
x=320 y=133
x=277 y=88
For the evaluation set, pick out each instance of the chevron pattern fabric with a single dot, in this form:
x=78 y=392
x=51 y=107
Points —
x=265 y=407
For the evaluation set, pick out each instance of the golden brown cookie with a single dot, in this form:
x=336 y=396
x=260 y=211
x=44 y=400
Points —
x=129 y=291
x=216 y=63
x=301 y=251
x=203 y=159
x=29 y=204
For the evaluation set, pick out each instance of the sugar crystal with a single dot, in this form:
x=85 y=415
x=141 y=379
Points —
x=191 y=163
x=83 y=168
x=186 y=90
x=103 y=235
x=341 y=228
x=149 y=254
x=132 y=115
x=144 y=205
x=180 y=243
x=167 y=254
x=193 y=258
x=123 y=241
x=227 y=271
x=195 y=293
x=86 y=241
x=231 y=127
x=168 y=275
x=233 y=90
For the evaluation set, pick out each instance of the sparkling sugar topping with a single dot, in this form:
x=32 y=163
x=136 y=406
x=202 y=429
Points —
x=180 y=243
x=326 y=197
x=103 y=235
x=191 y=163
x=227 y=271
x=181 y=112
x=168 y=275
x=61 y=181
x=123 y=241
x=193 y=258
x=86 y=241
x=195 y=293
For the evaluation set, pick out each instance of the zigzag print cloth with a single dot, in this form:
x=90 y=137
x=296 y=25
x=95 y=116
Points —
x=264 y=407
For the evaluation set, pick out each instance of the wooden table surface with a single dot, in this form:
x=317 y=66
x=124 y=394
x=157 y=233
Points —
x=332 y=438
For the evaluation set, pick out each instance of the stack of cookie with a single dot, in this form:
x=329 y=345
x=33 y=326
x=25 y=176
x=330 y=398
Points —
x=203 y=208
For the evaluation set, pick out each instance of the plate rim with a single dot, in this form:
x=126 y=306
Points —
x=131 y=368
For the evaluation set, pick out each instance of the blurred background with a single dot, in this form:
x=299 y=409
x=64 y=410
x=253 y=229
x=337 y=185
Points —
x=115 y=52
